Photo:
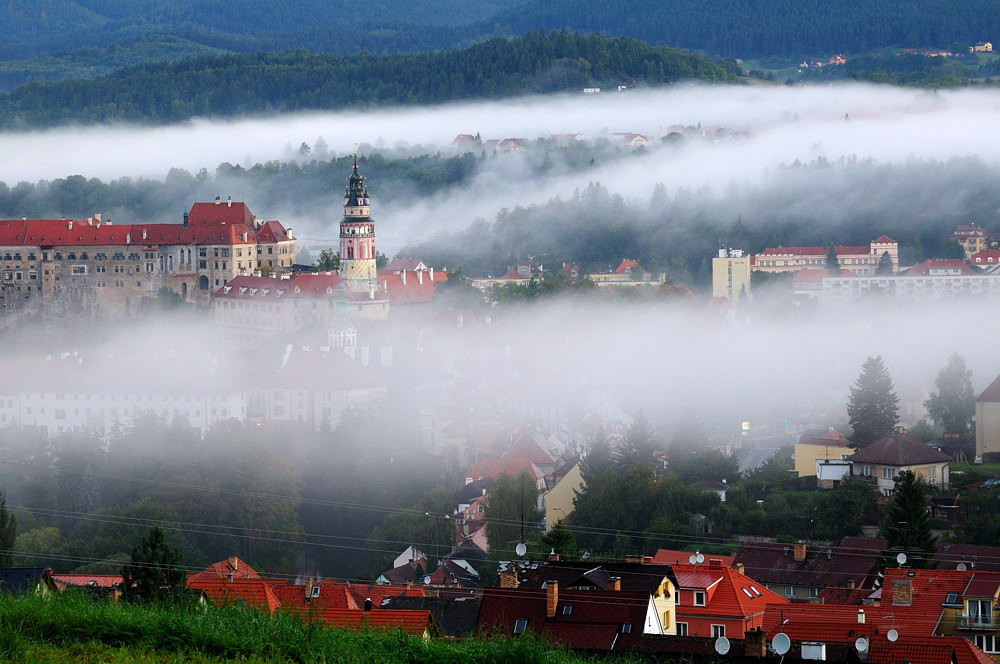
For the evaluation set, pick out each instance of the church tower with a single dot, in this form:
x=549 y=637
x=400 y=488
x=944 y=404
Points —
x=357 y=236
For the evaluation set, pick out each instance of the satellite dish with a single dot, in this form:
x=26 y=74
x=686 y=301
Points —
x=861 y=644
x=892 y=635
x=700 y=558
x=692 y=560
x=722 y=645
x=781 y=643
x=901 y=558
x=520 y=549
x=962 y=567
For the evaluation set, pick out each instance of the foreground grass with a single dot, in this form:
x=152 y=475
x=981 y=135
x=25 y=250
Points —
x=74 y=628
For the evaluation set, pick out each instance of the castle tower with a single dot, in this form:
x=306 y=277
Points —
x=357 y=236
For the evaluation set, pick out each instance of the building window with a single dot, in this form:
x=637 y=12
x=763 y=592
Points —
x=988 y=643
x=888 y=473
x=718 y=631
x=520 y=625
x=78 y=269
x=626 y=628
x=567 y=610
x=682 y=629
x=699 y=598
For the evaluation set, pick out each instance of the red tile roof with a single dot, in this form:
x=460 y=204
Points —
x=594 y=620
x=986 y=257
x=772 y=562
x=884 y=239
x=841 y=250
x=671 y=557
x=98 y=580
x=222 y=570
x=330 y=595
x=220 y=213
x=729 y=594
x=496 y=468
x=376 y=592
x=898 y=449
x=927 y=266
x=626 y=266
x=251 y=592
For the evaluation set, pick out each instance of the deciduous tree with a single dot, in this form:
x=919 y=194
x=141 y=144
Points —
x=953 y=405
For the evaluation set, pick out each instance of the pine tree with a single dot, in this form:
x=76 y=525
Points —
x=953 y=406
x=640 y=442
x=8 y=534
x=872 y=406
x=155 y=572
x=907 y=525
x=599 y=457
x=832 y=265
x=884 y=265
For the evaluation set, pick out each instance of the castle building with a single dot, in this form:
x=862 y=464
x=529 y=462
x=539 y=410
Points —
x=92 y=266
x=249 y=309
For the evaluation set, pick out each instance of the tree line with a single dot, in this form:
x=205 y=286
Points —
x=240 y=84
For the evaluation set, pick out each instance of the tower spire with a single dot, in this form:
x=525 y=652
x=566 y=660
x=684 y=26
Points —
x=357 y=235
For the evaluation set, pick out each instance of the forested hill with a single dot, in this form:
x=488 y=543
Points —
x=754 y=28
x=260 y=83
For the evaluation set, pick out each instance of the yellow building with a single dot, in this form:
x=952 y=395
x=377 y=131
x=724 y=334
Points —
x=731 y=275
x=972 y=238
x=831 y=445
x=559 y=499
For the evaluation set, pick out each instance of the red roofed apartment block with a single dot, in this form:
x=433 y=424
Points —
x=859 y=260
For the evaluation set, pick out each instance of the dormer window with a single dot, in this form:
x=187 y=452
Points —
x=315 y=591
x=699 y=598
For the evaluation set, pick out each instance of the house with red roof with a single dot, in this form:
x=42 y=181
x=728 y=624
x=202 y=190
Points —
x=972 y=238
x=589 y=620
x=628 y=273
x=412 y=622
x=801 y=571
x=715 y=600
x=987 y=258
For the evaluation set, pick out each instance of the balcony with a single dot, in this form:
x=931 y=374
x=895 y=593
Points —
x=984 y=623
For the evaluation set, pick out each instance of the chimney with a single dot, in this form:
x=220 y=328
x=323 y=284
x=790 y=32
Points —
x=368 y=603
x=143 y=233
x=754 y=643
x=615 y=583
x=551 y=598
x=553 y=557
x=420 y=277
x=402 y=275
x=432 y=275
x=229 y=201
x=861 y=616
x=184 y=226
x=234 y=563
x=740 y=568
x=508 y=579
x=70 y=224
x=218 y=200
x=714 y=563
x=309 y=587
x=635 y=560
x=288 y=232
x=799 y=549
x=850 y=584
x=97 y=217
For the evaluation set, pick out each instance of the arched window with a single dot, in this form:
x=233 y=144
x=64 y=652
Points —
x=203 y=282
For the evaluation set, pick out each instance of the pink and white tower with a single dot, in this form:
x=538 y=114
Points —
x=357 y=236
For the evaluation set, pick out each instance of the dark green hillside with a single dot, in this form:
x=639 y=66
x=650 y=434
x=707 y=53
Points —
x=259 y=83
x=756 y=28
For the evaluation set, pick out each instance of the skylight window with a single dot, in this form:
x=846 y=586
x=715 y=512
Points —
x=520 y=625
x=567 y=610
x=746 y=591
x=755 y=591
